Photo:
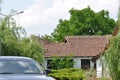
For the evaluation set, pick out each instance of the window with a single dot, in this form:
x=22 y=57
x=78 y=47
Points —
x=85 y=64
x=19 y=66
x=49 y=64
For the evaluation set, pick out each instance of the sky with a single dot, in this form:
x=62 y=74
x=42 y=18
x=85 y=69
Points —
x=41 y=17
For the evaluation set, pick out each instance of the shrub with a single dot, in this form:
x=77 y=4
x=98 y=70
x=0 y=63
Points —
x=61 y=62
x=104 y=78
x=68 y=74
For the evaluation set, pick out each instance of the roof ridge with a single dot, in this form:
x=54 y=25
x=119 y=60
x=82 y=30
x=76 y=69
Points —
x=88 y=36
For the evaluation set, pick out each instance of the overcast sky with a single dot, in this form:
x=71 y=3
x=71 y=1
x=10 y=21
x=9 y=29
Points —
x=41 y=16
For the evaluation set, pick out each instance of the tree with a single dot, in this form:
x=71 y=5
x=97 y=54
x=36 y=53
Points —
x=32 y=48
x=84 y=22
x=10 y=37
x=112 y=55
x=13 y=44
x=47 y=37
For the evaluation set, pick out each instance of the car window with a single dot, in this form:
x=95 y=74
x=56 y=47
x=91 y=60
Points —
x=19 y=66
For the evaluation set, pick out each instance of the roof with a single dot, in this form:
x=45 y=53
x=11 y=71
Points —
x=77 y=46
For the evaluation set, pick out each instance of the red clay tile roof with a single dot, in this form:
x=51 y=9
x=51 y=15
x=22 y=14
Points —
x=78 y=46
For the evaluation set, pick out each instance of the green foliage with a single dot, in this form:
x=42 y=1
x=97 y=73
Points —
x=14 y=43
x=60 y=63
x=84 y=22
x=32 y=48
x=119 y=16
x=113 y=58
x=48 y=38
x=104 y=78
x=9 y=37
x=68 y=74
x=112 y=55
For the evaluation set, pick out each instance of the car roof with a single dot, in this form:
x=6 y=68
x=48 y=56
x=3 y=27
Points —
x=15 y=57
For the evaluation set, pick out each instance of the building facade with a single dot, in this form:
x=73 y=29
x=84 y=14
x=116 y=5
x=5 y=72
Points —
x=86 y=51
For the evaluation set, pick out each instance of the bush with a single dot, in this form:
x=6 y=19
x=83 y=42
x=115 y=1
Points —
x=61 y=63
x=104 y=78
x=68 y=74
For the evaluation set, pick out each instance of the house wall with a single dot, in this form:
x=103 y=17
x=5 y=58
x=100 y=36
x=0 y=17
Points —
x=45 y=63
x=77 y=61
x=105 y=69
x=77 y=64
x=98 y=68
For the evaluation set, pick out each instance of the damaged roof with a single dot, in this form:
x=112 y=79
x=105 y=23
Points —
x=77 y=46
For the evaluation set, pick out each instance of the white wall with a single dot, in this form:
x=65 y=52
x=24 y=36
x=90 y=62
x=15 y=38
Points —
x=98 y=68
x=45 y=63
x=91 y=64
x=77 y=64
x=77 y=61
x=105 y=67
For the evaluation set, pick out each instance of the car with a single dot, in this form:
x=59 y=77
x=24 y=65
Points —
x=21 y=68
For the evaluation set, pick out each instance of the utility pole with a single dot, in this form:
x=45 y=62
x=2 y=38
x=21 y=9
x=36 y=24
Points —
x=9 y=16
x=12 y=14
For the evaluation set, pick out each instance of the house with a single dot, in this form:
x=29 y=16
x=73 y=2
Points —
x=86 y=51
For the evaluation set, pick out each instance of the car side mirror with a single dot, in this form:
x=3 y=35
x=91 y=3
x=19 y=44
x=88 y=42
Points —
x=48 y=71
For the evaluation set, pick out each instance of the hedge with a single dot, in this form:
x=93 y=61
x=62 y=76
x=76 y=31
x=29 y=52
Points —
x=67 y=74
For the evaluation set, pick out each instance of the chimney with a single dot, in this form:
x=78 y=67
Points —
x=64 y=40
x=115 y=31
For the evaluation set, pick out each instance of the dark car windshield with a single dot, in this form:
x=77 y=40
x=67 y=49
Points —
x=19 y=66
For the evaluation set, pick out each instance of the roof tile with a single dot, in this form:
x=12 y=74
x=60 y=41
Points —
x=78 y=46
